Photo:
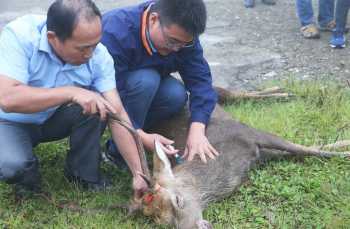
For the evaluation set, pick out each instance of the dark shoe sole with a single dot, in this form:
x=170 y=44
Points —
x=269 y=3
x=24 y=193
x=103 y=185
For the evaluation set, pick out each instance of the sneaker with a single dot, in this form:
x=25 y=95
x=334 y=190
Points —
x=112 y=155
x=249 y=3
x=329 y=27
x=102 y=184
x=337 y=40
x=269 y=2
x=310 y=31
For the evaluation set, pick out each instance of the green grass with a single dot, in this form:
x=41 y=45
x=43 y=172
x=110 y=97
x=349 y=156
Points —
x=308 y=193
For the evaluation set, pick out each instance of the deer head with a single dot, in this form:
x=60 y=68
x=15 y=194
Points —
x=170 y=201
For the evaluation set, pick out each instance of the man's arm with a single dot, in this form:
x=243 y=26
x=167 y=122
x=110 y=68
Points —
x=125 y=142
x=20 y=98
x=196 y=75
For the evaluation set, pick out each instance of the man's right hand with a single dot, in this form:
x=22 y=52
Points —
x=91 y=102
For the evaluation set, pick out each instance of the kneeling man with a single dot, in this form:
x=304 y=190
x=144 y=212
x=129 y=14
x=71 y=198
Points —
x=57 y=81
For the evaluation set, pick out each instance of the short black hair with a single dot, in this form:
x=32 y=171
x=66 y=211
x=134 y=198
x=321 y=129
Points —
x=191 y=15
x=64 y=15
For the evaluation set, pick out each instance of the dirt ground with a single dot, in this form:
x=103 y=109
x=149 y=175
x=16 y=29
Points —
x=264 y=43
x=244 y=47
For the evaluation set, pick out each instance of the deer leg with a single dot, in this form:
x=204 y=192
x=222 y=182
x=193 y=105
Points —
x=273 y=145
x=273 y=92
x=270 y=90
x=300 y=150
x=336 y=145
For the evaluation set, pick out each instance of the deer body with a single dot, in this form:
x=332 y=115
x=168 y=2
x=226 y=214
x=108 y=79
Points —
x=199 y=183
x=193 y=184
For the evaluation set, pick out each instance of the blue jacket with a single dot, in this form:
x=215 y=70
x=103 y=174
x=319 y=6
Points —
x=123 y=39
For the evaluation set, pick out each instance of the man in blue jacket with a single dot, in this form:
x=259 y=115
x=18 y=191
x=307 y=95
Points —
x=148 y=42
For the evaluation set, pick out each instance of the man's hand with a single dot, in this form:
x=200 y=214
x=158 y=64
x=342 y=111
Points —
x=197 y=143
x=139 y=185
x=91 y=102
x=165 y=143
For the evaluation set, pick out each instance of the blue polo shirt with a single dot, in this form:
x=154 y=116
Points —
x=26 y=56
x=123 y=38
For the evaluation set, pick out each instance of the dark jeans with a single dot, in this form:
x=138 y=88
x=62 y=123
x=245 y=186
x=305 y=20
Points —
x=341 y=14
x=306 y=13
x=18 y=164
x=149 y=97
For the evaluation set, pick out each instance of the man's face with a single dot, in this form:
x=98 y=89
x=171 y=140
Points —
x=78 y=49
x=167 y=39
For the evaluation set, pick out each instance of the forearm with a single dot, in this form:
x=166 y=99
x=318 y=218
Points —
x=143 y=136
x=25 y=99
x=126 y=144
x=121 y=136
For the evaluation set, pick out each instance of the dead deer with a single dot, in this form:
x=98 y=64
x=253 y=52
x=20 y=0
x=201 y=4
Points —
x=180 y=194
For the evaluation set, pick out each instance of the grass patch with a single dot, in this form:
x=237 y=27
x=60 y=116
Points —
x=312 y=193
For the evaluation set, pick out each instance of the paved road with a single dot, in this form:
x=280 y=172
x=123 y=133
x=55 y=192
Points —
x=10 y=9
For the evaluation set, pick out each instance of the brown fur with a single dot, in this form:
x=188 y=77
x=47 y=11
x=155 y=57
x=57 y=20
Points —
x=189 y=187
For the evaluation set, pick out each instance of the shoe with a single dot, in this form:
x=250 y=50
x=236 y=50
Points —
x=112 y=154
x=24 y=192
x=269 y=2
x=337 y=40
x=102 y=184
x=310 y=31
x=249 y=3
x=329 y=27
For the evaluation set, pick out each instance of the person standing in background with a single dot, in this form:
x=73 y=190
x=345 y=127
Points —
x=325 y=18
x=251 y=3
x=341 y=15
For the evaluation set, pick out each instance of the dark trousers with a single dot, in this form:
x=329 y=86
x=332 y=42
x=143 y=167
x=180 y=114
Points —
x=341 y=14
x=149 y=97
x=18 y=164
x=306 y=13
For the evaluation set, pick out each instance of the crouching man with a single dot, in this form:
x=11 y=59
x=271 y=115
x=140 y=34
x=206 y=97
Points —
x=57 y=81
x=149 y=42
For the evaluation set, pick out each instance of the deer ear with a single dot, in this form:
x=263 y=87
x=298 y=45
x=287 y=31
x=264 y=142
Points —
x=161 y=163
x=203 y=224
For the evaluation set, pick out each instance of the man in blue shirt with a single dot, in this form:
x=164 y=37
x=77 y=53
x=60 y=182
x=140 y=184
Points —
x=55 y=78
x=148 y=42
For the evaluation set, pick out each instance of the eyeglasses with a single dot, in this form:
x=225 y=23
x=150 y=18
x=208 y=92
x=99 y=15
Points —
x=172 y=43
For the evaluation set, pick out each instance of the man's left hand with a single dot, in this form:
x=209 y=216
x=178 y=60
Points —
x=197 y=143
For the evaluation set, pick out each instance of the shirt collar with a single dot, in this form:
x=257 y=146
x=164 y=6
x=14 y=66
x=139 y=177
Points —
x=45 y=46
x=146 y=41
x=44 y=43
